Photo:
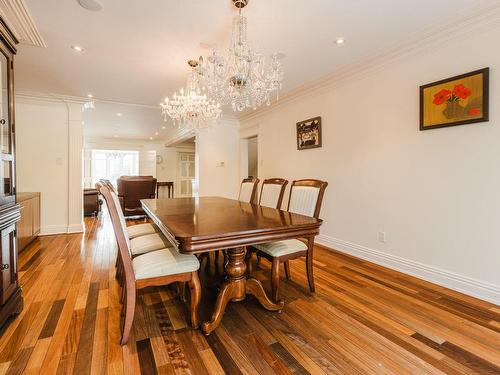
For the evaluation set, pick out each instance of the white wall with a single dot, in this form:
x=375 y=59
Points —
x=435 y=193
x=49 y=159
x=218 y=160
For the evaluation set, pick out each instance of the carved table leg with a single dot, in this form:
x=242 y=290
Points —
x=254 y=287
x=235 y=289
x=225 y=295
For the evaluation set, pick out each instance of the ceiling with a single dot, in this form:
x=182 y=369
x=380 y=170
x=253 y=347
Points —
x=136 y=51
x=126 y=122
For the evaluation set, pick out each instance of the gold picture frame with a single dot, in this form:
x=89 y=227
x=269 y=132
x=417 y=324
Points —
x=458 y=100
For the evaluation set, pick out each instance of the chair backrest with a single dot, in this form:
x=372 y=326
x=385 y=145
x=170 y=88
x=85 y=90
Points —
x=119 y=226
x=272 y=191
x=107 y=183
x=135 y=188
x=248 y=190
x=306 y=197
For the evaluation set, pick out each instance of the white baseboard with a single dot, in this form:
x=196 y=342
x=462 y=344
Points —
x=75 y=228
x=49 y=230
x=464 y=284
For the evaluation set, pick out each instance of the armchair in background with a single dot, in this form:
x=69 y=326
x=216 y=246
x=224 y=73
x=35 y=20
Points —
x=131 y=189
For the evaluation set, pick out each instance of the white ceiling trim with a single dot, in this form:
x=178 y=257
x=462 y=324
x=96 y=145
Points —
x=79 y=99
x=485 y=17
x=16 y=14
x=179 y=137
x=50 y=97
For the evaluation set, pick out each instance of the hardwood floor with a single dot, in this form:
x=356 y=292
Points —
x=363 y=319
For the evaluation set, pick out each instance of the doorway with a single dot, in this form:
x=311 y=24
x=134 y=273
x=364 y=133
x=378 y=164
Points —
x=185 y=174
x=253 y=157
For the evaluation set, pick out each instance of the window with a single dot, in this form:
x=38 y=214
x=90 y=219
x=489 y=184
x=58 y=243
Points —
x=111 y=164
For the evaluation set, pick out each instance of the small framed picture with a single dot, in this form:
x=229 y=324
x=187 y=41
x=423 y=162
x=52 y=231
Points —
x=455 y=101
x=309 y=133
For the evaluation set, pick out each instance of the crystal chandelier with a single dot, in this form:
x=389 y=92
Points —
x=243 y=77
x=190 y=108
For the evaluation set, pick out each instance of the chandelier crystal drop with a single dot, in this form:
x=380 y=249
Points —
x=243 y=77
x=191 y=108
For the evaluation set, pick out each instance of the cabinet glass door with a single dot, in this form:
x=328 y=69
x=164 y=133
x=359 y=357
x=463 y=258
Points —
x=6 y=155
x=4 y=105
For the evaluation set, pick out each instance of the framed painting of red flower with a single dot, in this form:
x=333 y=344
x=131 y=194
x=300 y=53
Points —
x=459 y=100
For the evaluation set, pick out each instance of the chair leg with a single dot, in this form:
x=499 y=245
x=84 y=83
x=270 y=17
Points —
x=129 y=316
x=195 y=289
x=182 y=290
x=287 y=269
x=211 y=262
x=275 y=278
x=309 y=263
x=119 y=274
x=249 y=263
x=123 y=299
x=122 y=295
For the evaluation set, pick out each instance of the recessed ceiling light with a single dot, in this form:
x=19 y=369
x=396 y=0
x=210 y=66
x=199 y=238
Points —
x=92 y=5
x=156 y=133
x=163 y=127
x=77 y=48
x=340 y=41
x=150 y=138
x=90 y=95
x=119 y=114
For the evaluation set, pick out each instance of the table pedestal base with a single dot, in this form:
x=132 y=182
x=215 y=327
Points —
x=236 y=288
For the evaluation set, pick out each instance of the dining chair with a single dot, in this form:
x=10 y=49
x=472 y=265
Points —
x=248 y=189
x=156 y=268
x=272 y=191
x=135 y=230
x=306 y=197
x=139 y=244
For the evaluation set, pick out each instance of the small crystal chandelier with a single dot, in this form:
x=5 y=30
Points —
x=243 y=77
x=190 y=108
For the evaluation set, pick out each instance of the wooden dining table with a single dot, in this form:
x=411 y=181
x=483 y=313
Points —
x=206 y=224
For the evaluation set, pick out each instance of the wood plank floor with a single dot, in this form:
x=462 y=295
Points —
x=363 y=319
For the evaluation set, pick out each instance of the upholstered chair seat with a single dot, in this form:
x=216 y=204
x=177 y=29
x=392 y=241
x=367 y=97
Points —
x=137 y=230
x=305 y=199
x=163 y=262
x=281 y=248
x=147 y=243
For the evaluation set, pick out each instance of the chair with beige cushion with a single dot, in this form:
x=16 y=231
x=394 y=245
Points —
x=139 y=244
x=306 y=197
x=156 y=268
x=272 y=191
x=133 y=230
x=141 y=240
x=248 y=190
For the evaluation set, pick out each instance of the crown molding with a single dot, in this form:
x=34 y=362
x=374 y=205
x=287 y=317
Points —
x=77 y=99
x=179 y=137
x=50 y=97
x=482 y=18
x=16 y=14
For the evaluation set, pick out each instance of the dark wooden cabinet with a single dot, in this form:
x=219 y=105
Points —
x=11 y=301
